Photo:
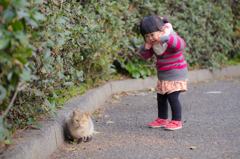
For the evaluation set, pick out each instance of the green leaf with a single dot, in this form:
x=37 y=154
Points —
x=20 y=3
x=46 y=54
x=22 y=37
x=37 y=92
x=15 y=80
x=38 y=1
x=79 y=73
x=142 y=72
x=4 y=43
x=9 y=14
x=32 y=22
x=38 y=126
x=50 y=43
x=74 y=143
x=96 y=17
x=8 y=141
x=34 y=10
x=53 y=104
x=39 y=16
x=135 y=75
x=67 y=32
x=63 y=107
x=1 y=120
x=61 y=20
x=68 y=83
x=96 y=132
x=60 y=42
x=47 y=102
x=131 y=48
x=48 y=67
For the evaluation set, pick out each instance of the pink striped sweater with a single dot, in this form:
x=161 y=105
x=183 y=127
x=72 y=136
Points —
x=171 y=65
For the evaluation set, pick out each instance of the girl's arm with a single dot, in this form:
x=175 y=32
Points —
x=146 y=53
x=174 y=41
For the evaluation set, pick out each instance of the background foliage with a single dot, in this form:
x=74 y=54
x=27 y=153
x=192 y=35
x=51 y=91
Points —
x=51 y=50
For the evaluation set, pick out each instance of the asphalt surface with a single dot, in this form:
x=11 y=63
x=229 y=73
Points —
x=210 y=118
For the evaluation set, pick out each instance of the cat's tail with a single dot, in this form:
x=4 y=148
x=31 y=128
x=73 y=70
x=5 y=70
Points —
x=66 y=131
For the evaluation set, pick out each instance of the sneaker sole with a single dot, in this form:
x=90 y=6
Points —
x=162 y=126
x=173 y=128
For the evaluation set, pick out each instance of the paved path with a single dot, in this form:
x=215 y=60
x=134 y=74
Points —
x=211 y=127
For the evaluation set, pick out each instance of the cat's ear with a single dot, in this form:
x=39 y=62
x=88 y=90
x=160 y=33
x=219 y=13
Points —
x=74 y=112
x=87 y=113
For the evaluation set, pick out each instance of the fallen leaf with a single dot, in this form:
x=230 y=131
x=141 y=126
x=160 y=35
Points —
x=126 y=105
x=109 y=122
x=152 y=89
x=100 y=115
x=71 y=149
x=114 y=101
x=192 y=148
x=153 y=96
x=106 y=116
x=116 y=96
x=95 y=132
x=97 y=111
x=74 y=143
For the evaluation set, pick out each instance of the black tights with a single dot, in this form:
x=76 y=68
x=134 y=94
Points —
x=173 y=100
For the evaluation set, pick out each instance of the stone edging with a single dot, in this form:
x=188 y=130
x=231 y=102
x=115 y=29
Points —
x=40 y=144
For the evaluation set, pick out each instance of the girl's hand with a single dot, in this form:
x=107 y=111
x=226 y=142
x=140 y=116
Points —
x=148 y=46
x=160 y=40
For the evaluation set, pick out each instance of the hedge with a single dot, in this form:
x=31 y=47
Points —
x=50 y=49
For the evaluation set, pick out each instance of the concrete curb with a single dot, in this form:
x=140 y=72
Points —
x=40 y=144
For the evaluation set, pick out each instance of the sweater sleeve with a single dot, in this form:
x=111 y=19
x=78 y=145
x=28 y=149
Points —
x=174 y=42
x=145 y=53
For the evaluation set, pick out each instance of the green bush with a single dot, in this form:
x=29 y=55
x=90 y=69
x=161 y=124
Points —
x=51 y=50
x=235 y=53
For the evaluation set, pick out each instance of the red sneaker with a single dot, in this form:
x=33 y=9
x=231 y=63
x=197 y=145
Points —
x=159 y=123
x=174 y=125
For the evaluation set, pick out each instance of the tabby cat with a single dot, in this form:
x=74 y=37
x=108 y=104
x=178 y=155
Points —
x=80 y=126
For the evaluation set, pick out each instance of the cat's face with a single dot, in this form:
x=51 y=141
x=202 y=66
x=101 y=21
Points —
x=80 y=119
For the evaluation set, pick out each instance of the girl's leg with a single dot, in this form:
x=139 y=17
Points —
x=162 y=120
x=162 y=106
x=175 y=105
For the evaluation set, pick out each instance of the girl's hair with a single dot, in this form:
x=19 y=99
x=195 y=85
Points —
x=152 y=23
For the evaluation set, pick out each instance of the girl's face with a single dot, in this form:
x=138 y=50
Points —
x=154 y=37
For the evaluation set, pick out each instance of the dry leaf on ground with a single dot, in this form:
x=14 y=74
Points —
x=114 y=101
x=95 y=132
x=71 y=149
x=193 y=147
x=153 y=96
x=109 y=122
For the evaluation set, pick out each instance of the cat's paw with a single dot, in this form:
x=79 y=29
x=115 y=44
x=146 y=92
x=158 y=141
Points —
x=88 y=138
x=82 y=139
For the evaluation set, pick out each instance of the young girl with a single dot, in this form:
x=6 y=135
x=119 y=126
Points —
x=171 y=67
